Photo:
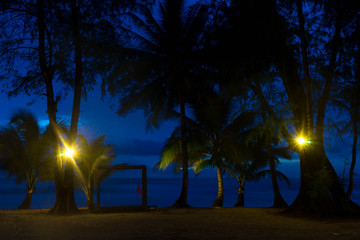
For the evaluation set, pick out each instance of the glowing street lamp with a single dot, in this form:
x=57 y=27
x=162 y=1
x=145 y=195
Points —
x=69 y=152
x=301 y=141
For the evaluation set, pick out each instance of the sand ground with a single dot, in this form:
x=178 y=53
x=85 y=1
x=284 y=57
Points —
x=193 y=223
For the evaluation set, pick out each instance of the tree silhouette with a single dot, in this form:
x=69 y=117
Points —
x=24 y=152
x=159 y=74
x=308 y=92
x=271 y=139
x=248 y=163
x=223 y=129
x=38 y=50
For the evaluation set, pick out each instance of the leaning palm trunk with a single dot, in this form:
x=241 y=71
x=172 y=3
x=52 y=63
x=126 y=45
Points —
x=241 y=189
x=220 y=197
x=182 y=200
x=27 y=201
x=240 y=200
x=279 y=201
x=90 y=194
x=30 y=186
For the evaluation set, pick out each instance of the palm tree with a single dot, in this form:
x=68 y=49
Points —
x=212 y=137
x=270 y=138
x=24 y=152
x=92 y=154
x=159 y=75
x=273 y=157
x=249 y=160
x=223 y=132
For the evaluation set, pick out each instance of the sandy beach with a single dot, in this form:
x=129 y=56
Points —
x=192 y=223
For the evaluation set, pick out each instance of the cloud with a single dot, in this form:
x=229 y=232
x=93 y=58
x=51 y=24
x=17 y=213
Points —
x=138 y=147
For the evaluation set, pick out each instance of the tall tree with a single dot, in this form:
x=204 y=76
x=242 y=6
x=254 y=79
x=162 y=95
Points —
x=320 y=189
x=159 y=75
x=65 y=200
x=300 y=45
x=38 y=46
x=35 y=37
x=91 y=34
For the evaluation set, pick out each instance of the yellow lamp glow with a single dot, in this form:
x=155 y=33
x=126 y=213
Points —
x=301 y=140
x=69 y=152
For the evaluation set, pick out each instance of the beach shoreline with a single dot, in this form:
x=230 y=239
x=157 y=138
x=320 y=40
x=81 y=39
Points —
x=167 y=223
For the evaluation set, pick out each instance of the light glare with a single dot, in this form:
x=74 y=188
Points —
x=69 y=152
x=301 y=140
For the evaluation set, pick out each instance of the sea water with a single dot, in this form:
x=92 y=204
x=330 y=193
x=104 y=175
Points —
x=161 y=192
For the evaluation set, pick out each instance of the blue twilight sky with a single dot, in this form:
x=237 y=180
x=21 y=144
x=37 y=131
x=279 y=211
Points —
x=134 y=145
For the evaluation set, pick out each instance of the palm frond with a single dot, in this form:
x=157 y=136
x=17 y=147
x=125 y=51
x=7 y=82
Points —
x=259 y=175
x=282 y=176
x=202 y=164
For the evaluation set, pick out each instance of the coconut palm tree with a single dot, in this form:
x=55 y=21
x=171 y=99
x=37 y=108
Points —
x=248 y=164
x=223 y=132
x=24 y=153
x=92 y=154
x=271 y=139
x=159 y=74
x=212 y=136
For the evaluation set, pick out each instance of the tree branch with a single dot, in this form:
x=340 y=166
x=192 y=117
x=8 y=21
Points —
x=283 y=129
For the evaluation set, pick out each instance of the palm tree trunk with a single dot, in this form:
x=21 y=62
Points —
x=279 y=201
x=240 y=200
x=181 y=202
x=30 y=185
x=90 y=201
x=220 y=197
x=353 y=160
x=27 y=201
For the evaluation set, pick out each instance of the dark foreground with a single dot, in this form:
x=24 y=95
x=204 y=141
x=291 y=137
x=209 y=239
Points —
x=248 y=223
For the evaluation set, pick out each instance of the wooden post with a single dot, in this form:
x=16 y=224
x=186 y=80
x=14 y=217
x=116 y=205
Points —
x=144 y=188
x=98 y=188
x=122 y=167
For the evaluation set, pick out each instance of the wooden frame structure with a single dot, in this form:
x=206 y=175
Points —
x=96 y=179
